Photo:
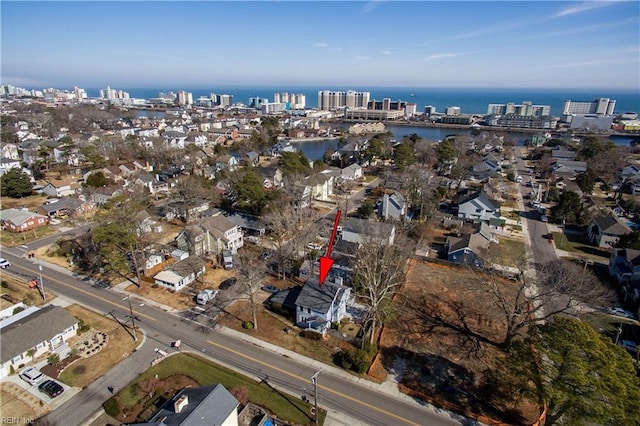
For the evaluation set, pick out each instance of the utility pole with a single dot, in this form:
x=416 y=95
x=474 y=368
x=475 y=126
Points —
x=314 y=380
x=133 y=322
x=44 y=296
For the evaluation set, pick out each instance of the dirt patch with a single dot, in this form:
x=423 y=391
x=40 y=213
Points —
x=45 y=253
x=32 y=202
x=17 y=290
x=437 y=347
x=281 y=331
x=15 y=402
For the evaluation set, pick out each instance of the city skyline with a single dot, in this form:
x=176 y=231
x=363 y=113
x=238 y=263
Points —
x=364 y=44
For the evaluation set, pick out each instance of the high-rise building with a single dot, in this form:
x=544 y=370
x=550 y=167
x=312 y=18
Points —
x=329 y=99
x=600 y=106
x=295 y=100
x=184 y=98
x=225 y=100
x=452 y=110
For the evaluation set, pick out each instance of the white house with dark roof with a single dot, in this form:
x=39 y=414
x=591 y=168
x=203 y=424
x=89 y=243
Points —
x=211 y=235
x=198 y=406
x=178 y=275
x=392 y=207
x=477 y=206
x=35 y=329
x=352 y=172
x=605 y=231
x=317 y=306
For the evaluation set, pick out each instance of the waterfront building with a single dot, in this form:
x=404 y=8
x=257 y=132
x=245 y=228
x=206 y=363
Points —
x=527 y=122
x=257 y=102
x=372 y=114
x=599 y=106
x=79 y=93
x=184 y=98
x=452 y=110
x=225 y=100
x=463 y=119
x=526 y=109
x=430 y=109
x=113 y=94
x=330 y=100
x=295 y=100
x=273 y=107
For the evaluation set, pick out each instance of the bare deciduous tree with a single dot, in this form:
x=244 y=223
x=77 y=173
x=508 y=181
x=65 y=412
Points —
x=378 y=275
x=251 y=273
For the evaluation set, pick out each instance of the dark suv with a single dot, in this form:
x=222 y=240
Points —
x=51 y=388
x=228 y=283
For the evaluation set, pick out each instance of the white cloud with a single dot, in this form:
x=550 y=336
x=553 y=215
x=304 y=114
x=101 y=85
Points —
x=370 y=6
x=584 y=7
x=386 y=52
x=321 y=44
x=440 y=56
x=607 y=61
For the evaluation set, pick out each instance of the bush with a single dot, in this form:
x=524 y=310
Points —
x=310 y=334
x=53 y=359
x=112 y=407
x=17 y=309
x=355 y=360
x=82 y=326
x=4 y=284
x=248 y=325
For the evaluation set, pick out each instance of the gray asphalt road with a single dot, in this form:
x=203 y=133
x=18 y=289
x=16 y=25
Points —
x=542 y=251
x=358 y=398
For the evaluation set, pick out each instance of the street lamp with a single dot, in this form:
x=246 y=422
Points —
x=133 y=322
x=314 y=380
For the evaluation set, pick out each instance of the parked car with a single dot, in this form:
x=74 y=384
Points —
x=619 y=312
x=227 y=284
x=4 y=263
x=544 y=218
x=270 y=289
x=51 y=388
x=628 y=345
x=205 y=296
x=31 y=375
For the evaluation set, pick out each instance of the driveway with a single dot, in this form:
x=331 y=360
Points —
x=68 y=393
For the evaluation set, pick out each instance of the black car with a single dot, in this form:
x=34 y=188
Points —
x=51 y=388
x=228 y=283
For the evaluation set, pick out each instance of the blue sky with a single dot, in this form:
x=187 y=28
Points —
x=454 y=44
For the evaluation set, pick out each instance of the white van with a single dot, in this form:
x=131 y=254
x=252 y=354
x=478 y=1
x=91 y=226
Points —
x=205 y=296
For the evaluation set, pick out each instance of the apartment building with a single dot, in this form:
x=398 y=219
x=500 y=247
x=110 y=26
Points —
x=330 y=100
x=525 y=109
x=599 y=106
x=295 y=100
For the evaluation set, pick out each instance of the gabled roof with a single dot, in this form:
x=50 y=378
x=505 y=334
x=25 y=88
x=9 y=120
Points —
x=207 y=405
x=611 y=225
x=38 y=327
x=475 y=242
x=319 y=297
x=17 y=216
x=480 y=197
x=632 y=256
x=63 y=203
x=217 y=225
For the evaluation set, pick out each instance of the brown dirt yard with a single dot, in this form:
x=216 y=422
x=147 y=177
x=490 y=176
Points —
x=15 y=403
x=428 y=351
x=281 y=331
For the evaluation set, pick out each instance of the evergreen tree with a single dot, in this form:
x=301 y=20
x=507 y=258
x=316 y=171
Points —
x=15 y=184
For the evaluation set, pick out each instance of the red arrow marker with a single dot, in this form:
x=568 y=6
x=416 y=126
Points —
x=325 y=261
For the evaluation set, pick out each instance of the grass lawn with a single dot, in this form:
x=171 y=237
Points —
x=119 y=344
x=11 y=239
x=287 y=408
x=17 y=290
x=508 y=252
x=579 y=245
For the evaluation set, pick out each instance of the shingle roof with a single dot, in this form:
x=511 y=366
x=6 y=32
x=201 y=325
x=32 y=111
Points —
x=207 y=405
x=611 y=225
x=38 y=327
x=319 y=297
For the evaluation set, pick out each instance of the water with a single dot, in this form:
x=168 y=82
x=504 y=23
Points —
x=470 y=101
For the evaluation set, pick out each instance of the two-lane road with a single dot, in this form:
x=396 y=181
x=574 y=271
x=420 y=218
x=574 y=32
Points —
x=355 y=397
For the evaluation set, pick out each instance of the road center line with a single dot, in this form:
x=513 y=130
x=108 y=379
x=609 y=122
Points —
x=85 y=292
x=340 y=394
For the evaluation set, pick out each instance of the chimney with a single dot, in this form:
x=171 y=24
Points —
x=181 y=403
